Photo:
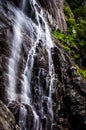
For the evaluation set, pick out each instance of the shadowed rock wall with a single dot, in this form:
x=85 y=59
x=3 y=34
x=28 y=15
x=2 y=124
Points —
x=54 y=13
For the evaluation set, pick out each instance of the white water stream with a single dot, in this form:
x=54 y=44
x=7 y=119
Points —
x=43 y=34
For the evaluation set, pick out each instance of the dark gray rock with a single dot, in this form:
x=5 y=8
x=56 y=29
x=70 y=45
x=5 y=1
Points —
x=16 y=107
x=54 y=13
x=70 y=95
x=7 y=120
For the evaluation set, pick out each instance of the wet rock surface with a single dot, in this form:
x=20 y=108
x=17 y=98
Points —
x=70 y=95
x=16 y=107
x=54 y=13
x=7 y=120
x=69 y=92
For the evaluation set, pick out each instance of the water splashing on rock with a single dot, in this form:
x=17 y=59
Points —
x=31 y=90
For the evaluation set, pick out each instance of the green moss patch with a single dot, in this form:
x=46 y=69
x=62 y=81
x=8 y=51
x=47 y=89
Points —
x=81 y=72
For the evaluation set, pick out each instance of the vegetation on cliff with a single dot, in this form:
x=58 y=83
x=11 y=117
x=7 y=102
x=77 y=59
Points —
x=74 y=41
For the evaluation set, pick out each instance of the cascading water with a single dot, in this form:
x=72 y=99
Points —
x=40 y=27
x=16 y=50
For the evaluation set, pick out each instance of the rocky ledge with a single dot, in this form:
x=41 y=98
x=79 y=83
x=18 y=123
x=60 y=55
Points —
x=7 y=120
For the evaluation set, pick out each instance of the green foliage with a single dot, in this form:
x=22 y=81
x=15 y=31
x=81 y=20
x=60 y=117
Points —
x=66 y=48
x=74 y=41
x=59 y=35
x=75 y=3
x=81 y=30
x=76 y=18
x=76 y=23
x=80 y=12
x=71 y=23
x=67 y=41
x=81 y=72
x=68 y=11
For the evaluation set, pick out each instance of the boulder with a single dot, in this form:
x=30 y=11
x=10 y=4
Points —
x=7 y=120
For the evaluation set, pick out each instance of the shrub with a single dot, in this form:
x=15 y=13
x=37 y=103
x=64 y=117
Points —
x=81 y=72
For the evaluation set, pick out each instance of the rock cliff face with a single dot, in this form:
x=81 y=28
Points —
x=54 y=13
x=69 y=92
x=7 y=120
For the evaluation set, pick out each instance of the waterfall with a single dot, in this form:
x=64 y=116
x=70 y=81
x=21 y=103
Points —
x=15 y=53
x=40 y=28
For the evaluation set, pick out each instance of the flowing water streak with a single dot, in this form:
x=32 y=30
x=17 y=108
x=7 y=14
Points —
x=28 y=74
x=15 y=55
x=28 y=70
x=27 y=81
x=49 y=46
x=21 y=20
x=44 y=35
